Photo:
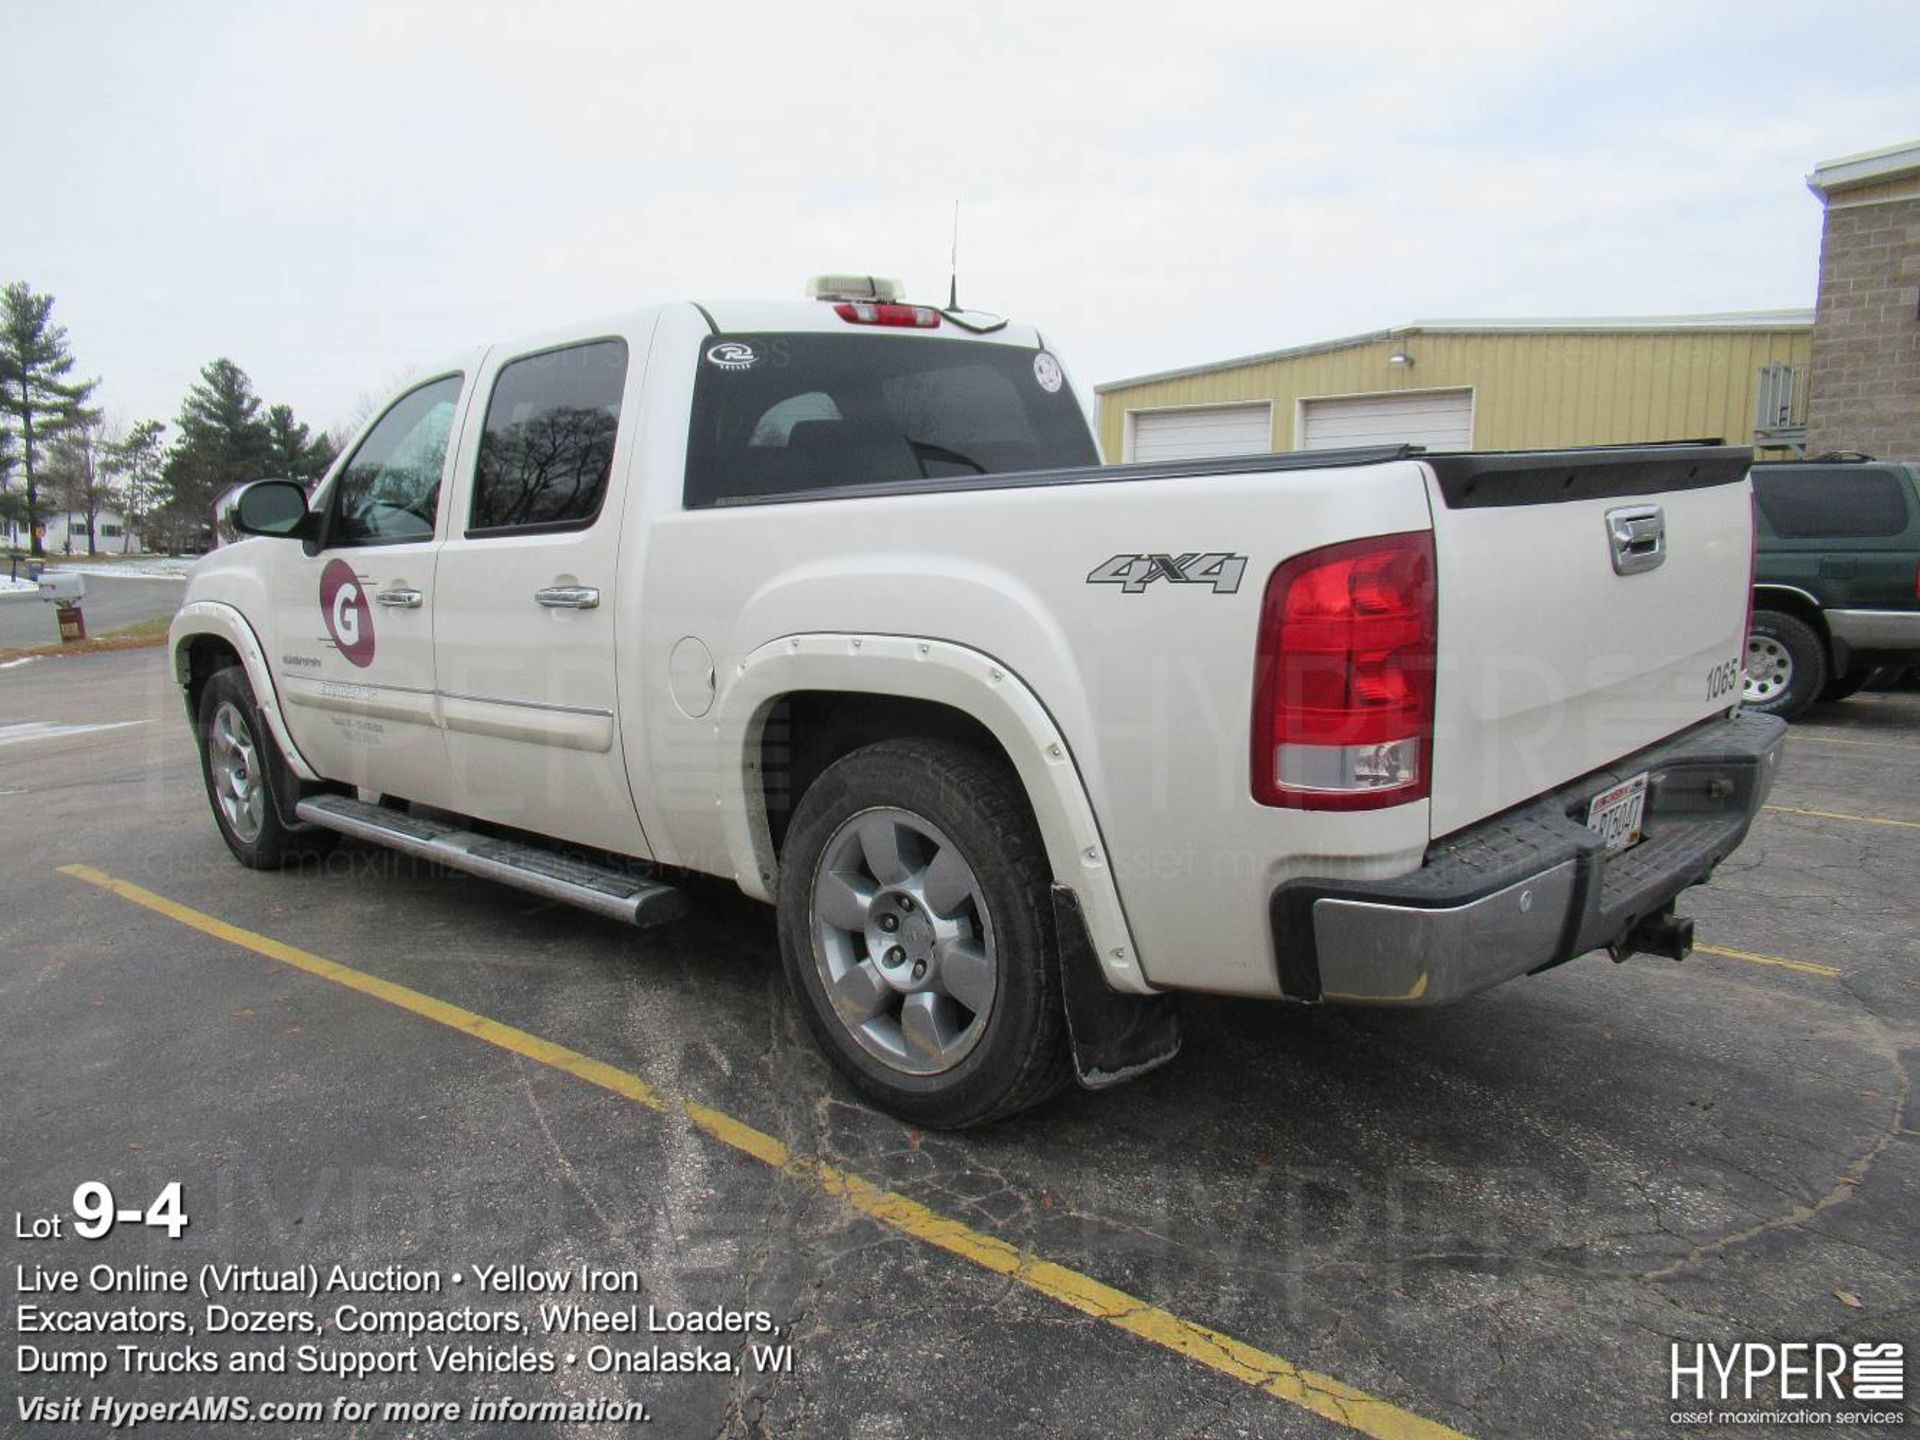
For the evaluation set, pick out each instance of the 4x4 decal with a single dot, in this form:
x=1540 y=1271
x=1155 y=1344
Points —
x=1133 y=573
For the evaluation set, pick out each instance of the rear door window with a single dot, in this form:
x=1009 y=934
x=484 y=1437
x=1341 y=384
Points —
x=781 y=415
x=1854 y=503
x=547 y=451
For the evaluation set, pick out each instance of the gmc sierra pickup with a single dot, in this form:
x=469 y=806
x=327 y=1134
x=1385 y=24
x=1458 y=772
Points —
x=831 y=598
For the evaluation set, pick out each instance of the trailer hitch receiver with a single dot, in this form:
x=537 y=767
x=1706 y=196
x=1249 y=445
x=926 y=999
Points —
x=1662 y=933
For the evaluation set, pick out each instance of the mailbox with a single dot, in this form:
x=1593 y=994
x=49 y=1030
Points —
x=62 y=587
x=64 y=590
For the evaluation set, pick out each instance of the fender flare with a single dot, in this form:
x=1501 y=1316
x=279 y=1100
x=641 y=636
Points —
x=211 y=617
x=1780 y=587
x=946 y=674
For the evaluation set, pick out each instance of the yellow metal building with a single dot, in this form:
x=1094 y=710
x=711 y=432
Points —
x=1483 y=384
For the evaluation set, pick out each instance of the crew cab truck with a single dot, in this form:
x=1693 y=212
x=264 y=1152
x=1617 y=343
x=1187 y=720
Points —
x=831 y=598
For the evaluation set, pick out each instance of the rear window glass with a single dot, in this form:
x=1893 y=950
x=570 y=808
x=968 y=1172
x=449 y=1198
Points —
x=548 y=445
x=786 y=414
x=1849 y=504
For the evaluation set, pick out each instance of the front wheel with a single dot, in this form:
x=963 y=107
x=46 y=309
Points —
x=233 y=762
x=1786 y=665
x=916 y=931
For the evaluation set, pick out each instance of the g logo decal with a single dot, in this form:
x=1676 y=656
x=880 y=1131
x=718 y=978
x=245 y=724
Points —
x=343 y=604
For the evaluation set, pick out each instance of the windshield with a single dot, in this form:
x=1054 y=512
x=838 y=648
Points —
x=786 y=414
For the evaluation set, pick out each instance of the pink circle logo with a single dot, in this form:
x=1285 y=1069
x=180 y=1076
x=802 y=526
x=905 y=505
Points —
x=343 y=602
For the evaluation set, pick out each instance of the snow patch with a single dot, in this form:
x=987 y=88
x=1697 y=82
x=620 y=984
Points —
x=51 y=730
x=160 y=567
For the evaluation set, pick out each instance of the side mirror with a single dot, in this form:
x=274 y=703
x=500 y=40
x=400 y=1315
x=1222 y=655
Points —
x=274 y=508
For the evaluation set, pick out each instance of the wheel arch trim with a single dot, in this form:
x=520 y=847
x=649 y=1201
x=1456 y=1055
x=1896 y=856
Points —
x=943 y=673
x=1764 y=588
x=224 y=622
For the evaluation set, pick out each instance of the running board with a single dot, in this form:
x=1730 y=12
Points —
x=598 y=888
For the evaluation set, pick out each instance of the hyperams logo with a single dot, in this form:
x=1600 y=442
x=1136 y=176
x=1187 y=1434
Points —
x=1794 y=1382
x=343 y=602
x=1133 y=573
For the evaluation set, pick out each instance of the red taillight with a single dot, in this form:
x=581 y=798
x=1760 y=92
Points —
x=871 y=312
x=1343 y=682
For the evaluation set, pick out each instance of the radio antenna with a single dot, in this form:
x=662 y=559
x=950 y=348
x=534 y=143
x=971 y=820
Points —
x=953 y=273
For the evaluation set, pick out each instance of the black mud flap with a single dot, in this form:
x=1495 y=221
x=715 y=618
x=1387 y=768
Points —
x=1116 y=1037
x=286 y=788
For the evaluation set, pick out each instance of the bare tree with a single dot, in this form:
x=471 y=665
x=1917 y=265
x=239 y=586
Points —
x=340 y=434
x=80 y=465
x=136 y=460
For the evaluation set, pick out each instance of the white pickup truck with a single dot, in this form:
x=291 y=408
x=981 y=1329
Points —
x=831 y=598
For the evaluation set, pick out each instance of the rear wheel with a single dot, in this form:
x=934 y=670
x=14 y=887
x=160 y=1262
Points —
x=234 y=764
x=1786 y=664
x=917 y=933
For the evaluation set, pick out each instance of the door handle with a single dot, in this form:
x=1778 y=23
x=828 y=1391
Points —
x=399 y=599
x=568 y=597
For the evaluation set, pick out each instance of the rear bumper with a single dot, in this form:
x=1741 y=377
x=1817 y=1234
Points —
x=1531 y=888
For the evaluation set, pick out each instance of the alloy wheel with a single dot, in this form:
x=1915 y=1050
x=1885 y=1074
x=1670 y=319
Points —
x=903 y=941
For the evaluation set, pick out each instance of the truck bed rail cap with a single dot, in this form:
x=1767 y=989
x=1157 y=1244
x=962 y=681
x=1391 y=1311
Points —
x=1483 y=479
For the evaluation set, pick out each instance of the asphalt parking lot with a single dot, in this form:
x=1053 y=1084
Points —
x=1490 y=1218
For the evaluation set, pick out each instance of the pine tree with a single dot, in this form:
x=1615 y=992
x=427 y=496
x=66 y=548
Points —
x=298 y=454
x=34 y=390
x=224 y=441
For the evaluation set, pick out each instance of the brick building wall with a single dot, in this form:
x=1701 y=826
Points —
x=1865 y=370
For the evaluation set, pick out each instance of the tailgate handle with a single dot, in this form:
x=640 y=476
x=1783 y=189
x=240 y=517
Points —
x=1638 y=535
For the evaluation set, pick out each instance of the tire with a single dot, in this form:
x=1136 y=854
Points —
x=1786 y=665
x=1841 y=686
x=1890 y=677
x=913 y=886
x=234 y=765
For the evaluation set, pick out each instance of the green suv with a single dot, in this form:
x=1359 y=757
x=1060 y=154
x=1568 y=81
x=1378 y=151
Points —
x=1837 y=581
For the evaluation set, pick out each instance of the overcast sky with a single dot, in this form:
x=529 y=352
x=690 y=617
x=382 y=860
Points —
x=331 y=193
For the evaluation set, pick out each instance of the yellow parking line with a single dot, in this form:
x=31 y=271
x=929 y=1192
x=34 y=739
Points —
x=1842 y=815
x=1806 y=967
x=1309 y=1390
x=1836 y=740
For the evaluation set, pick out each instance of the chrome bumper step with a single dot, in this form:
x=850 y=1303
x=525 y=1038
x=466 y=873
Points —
x=599 y=888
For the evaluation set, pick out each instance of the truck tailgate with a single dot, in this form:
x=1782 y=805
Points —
x=1591 y=603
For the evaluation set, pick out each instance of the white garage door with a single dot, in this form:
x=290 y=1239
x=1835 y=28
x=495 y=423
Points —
x=1192 y=434
x=1437 y=419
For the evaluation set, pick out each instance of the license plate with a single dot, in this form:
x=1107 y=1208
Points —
x=1615 y=814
